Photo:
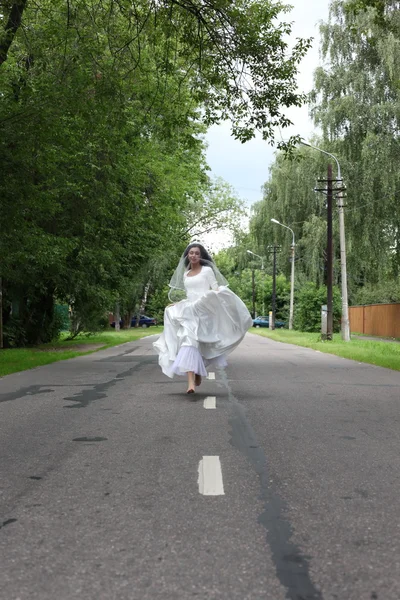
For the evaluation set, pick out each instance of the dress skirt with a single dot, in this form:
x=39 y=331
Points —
x=199 y=332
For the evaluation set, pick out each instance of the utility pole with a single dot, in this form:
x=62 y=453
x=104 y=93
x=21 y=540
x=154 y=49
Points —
x=329 y=257
x=345 y=326
x=254 y=293
x=292 y=272
x=343 y=267
x=291 y=286
x=329 y=252
x=273 y=291
x=272 y=324
x=263 y=282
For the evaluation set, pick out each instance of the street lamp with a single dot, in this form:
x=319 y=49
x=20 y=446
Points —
x=262 y=268
x=292 y=274
x=345 y=304
x=258 y=256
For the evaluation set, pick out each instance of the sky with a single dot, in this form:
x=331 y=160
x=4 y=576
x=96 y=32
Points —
x=245 y=166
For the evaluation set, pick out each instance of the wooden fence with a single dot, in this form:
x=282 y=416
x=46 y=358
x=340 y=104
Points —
x=382 y=320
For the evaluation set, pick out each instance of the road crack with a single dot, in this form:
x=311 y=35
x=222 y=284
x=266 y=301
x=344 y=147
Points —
x=292 y=567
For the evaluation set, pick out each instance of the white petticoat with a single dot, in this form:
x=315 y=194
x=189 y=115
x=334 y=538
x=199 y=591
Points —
x=201 y=332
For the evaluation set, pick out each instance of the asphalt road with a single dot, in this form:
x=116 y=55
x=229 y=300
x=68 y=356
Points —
x=117 y=485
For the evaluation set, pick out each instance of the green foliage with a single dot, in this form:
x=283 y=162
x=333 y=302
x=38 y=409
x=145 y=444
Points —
x=89 y=313
x=156 y=304
x=289 y=197
x=384 y=292
x=102 y=157
x=61 y=312
x=32 y=321
x=218 y=48
x=240 y=281
x=378 y=6
x=105 y=179
x=309 y=300
x=356 y=105
x=218 y=209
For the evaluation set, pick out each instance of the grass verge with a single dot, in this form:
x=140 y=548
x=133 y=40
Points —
x=382 y=354
x=20 y=359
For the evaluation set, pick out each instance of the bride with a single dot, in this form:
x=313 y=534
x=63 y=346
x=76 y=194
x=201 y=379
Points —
x=206 y=322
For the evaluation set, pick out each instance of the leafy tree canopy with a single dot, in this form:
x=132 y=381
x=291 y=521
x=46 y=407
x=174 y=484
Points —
x=236 y=55
x=104 y=107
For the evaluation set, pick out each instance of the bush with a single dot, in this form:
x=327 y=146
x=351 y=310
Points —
x=310 y=298
x=89 y=319
x=384 y=292
x=156 y=304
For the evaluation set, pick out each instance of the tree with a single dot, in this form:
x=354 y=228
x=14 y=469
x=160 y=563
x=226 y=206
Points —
x=105 y=179
x=308 y=308
x=379 y=7
x=10 y=22
x=220 y=46
x=103 y=109
x=289 y=197
x=216 y=208
x=356 y=103
x=237 y=267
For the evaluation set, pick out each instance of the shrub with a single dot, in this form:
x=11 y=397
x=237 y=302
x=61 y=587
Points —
x=384 y=292
x=309 y=299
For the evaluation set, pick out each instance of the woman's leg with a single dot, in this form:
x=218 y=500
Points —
x=190 y=361
x=194 y=379
x=191 y=382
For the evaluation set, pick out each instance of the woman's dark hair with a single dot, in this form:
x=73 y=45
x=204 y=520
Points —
x=203 y=254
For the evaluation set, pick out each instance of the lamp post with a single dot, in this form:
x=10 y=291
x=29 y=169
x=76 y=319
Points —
x=292 y=274
x=345 y=304
x=262 y=268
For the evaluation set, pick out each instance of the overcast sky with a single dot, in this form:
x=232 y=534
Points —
x=245 y=166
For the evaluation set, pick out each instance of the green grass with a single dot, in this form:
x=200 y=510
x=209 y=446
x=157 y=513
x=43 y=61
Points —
x=365 y=335
x=21 y=359
x=382 y=354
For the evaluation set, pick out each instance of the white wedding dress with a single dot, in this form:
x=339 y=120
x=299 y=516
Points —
x=202 y=329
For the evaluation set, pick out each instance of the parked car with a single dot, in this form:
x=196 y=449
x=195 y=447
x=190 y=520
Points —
x=264 y=322
x=143 y=321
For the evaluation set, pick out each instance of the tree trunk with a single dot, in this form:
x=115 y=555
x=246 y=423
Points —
x=127 y=318
x=143 y=302
x=1 y=313
x=117 y=317
x=13 y=24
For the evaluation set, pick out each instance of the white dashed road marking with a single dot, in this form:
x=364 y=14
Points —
x=211 y=376
x=210 y=402
x=210 y=477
